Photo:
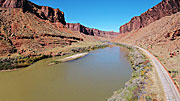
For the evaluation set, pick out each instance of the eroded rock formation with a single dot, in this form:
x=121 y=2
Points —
x=30 y=29
x=43 y=12
x=164 y=8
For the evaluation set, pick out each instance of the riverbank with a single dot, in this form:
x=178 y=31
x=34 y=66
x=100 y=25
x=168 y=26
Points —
x=14 y=63
x=144 y=84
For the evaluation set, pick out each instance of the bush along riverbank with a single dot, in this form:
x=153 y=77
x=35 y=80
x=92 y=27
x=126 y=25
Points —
x=19 y=61
x=12 y=63
x=142 y=84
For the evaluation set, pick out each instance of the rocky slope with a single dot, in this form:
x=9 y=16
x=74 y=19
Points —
x=28 y=29
x=27 y=34
x=89 y=31
x=164 y=8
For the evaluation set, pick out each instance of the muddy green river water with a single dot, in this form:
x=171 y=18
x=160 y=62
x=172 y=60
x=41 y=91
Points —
x=91 y=78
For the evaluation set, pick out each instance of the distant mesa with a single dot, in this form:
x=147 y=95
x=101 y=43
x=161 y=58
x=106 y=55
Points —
x=89 y=31
x=164 y=8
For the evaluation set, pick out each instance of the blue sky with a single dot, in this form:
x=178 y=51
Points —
x=105 y=15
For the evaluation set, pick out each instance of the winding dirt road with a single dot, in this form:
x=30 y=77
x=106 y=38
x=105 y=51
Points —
x=170 y=90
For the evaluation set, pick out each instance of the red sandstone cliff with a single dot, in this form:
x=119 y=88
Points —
x=164 y=8
x=89 y=31
x=29 y=29
x=43 y=12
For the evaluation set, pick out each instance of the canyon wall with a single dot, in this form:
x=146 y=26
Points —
x=43 y=12
x=89 y=31
x=30 y=29
x=164 y=8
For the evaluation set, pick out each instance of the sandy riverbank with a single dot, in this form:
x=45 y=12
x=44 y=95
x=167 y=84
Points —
x=69 y=58
x=73 y=57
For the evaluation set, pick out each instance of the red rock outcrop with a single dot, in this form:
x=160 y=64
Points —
x=173 y=35
x=12 y=3
x=89 y=31
x=43 y=12
x=164 y=8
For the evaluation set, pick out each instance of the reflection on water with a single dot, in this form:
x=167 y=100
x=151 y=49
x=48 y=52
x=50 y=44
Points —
x=91 y=78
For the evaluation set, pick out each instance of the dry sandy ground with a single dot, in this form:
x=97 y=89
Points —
x=73 y=57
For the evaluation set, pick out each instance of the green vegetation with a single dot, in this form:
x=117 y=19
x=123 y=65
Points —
x=24 y=61
x=122 y=45
x=19 y=62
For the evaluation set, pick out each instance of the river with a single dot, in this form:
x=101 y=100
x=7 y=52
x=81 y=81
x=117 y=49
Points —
x=91 y=78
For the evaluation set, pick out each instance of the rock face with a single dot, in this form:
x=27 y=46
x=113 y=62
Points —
x=89 y=31
x=12 y=3
x=29 y=29
x=43 y=12
x=164 y=8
